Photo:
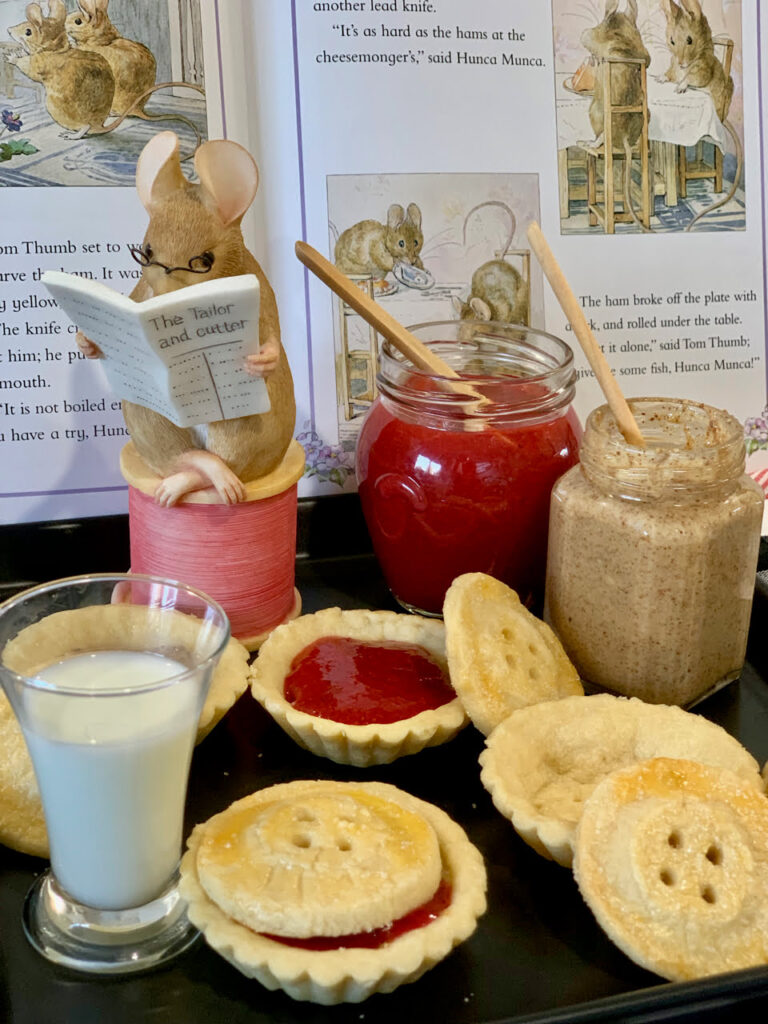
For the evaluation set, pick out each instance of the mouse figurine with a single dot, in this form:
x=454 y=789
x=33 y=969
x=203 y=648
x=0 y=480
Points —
x=369 y=247
x=203 y=220
x=497 y=290
x=79 y=84
x=617 y=35
x=694 y=64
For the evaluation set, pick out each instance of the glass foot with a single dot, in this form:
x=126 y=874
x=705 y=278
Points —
x=106 y=941
x=414 y=609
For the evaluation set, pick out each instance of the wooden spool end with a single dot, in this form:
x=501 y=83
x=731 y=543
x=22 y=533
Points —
x=242 y=555
x=138 y=474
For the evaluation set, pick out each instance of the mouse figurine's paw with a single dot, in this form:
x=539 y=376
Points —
x=198 y=469
x=88 y=348
x=79 y=134
x=265 y=361
x=681 y=87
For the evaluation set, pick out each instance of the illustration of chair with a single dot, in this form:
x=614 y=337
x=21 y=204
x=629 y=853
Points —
x=356 y=365
x=602 y=204
x=699 y=167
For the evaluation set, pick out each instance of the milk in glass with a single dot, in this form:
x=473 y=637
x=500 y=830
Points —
x=112 y=770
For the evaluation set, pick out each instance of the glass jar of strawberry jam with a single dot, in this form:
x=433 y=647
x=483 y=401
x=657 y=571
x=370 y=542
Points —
x=451 y=484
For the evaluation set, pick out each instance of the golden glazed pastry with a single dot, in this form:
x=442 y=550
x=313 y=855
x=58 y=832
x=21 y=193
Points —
x=672 y=859
x=501 y=657
x=542 y=763
x=22 y=825
x=357 y=744
x=311 y=860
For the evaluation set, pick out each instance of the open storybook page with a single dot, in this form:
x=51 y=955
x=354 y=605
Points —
x=455 y=125
x=435 y=128
x=68 y=203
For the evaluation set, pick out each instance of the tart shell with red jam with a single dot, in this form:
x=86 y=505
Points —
x=359 y=687
x=364 y=852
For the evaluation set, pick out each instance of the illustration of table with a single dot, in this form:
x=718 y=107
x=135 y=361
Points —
x=675 y=119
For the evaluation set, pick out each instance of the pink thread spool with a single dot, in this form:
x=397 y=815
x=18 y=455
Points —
x=241 y=555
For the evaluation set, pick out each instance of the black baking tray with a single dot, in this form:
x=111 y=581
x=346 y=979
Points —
x=537 y=955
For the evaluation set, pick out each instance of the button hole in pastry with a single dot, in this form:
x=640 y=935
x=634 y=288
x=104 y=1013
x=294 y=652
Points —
x=508 y=635
x=714 y=854
x=533 y=672
x=708 y=894
x=511 y=661
x=667 y=877
x=674 y=840
x=533 y=648
x=344 y=845
x=304 y=815
x=303 y=841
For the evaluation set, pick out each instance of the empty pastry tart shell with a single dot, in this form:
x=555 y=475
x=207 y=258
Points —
x=359 y=745
x=349 y=975
x=543 y=761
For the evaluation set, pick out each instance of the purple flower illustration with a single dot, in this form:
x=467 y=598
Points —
x=11 y=121
x=756 y=431
x=327 y=462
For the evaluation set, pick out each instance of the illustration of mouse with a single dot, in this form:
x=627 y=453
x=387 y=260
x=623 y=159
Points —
x=695 y=65
x=133 y=66
x=617 y=35
x=79 y=84
x=188 y=221
x=369 y=247
x=498 y=290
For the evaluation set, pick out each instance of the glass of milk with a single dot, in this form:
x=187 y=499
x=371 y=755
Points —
x=107 y=676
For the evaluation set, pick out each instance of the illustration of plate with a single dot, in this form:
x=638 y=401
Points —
x=568 y=86
x=388 y=288
x=413 y=277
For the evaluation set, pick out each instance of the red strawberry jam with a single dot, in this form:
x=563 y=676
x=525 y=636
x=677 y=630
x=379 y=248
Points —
x=362 y=683
x=439 y=503
x=417 y=918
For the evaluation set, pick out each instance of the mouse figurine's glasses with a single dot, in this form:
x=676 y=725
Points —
x=197 y=265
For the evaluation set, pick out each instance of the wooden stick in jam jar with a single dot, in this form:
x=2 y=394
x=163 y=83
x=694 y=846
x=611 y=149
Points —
x=408 y=344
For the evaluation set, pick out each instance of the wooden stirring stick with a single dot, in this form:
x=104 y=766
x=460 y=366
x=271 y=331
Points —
x=569 y=304
x=411 y=347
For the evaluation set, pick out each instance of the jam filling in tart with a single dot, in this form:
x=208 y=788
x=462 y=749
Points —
x=365 y=683
x=418 y=918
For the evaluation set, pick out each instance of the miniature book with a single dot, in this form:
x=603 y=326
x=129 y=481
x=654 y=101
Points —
x=181 y=354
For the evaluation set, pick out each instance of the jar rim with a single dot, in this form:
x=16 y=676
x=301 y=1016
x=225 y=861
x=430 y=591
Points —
x=494 y=330
x=534 y=374
x=689 y=445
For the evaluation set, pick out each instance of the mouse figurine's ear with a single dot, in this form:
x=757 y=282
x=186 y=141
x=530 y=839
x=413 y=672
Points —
x=228 y=173
x=611 y=6
x=632 y=11
x=158 y=170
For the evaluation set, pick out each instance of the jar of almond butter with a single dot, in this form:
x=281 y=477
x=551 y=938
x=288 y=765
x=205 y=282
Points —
x=653 y=551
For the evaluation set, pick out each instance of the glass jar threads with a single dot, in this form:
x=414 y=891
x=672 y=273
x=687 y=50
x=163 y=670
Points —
x=653 y=552
x=450 y=484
